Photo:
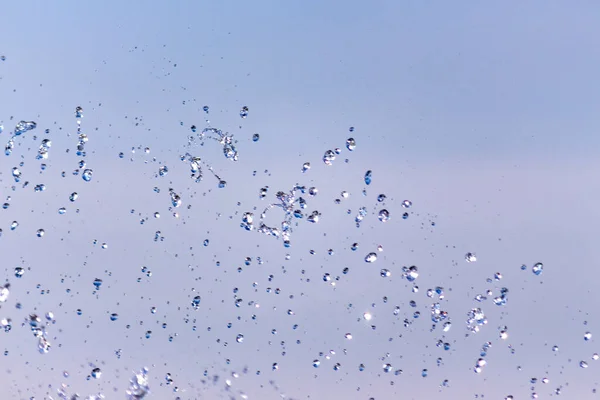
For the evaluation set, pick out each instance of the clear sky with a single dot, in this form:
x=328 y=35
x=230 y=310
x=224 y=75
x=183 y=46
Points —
x=484 y=116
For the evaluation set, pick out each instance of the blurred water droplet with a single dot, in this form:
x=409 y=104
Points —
x=329 y=157
x=350 y=144
x=368 y=177
x=371 y=257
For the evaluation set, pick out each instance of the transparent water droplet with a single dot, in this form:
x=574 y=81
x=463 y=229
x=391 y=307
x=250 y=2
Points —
x=537 y=268
x=40 y=233
x=196 y=302
x=470 y=257
x=587 y=336
x=350 y=144
x=305 y=166
x=371 y=257
x=163 y=170
x=87 y=174
x=96 y=373
x=24 y=126
x=244 y=112
x=16 y=173
x=4 y=292
x=73 y=196
x=114 y=316
x=329 y=157
x=255 y=137
x=384 y=215
x=19 y=272
x=239 y=338
x=368 y=177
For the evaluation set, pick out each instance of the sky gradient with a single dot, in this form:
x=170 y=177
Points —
x=483 y=115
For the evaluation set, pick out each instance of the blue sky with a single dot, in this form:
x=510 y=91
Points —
x=484 y=116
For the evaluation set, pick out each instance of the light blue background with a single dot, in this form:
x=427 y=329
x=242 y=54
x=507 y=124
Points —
x=484 y=115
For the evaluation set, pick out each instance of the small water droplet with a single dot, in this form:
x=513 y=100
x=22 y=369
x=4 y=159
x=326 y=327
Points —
x=350 y=144
x=87 y=174
x=384 y=215
x=368 y=177
x=371 y=257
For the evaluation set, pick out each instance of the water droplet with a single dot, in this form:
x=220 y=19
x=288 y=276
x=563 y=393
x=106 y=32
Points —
x=19 y=272
x=40 y=232
x=114 y=316
x=163 y=170
x=583 y=364
x=350 y=144
x=255 y=137
x=96 y=372
x=368 y=177
x=97 y=283
x=470 y=257
x=385 y=273
x=244 y=112
x=87 y=174
x=24 y=126
x=587 y=336
x=329 y=157
x=239 y=338
x=73 y=196
x=384 y=215
x=196 y=302
x=4 y=292
x=537 y=268
x=305 y=166
x=316 y=363
x=371 y=257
